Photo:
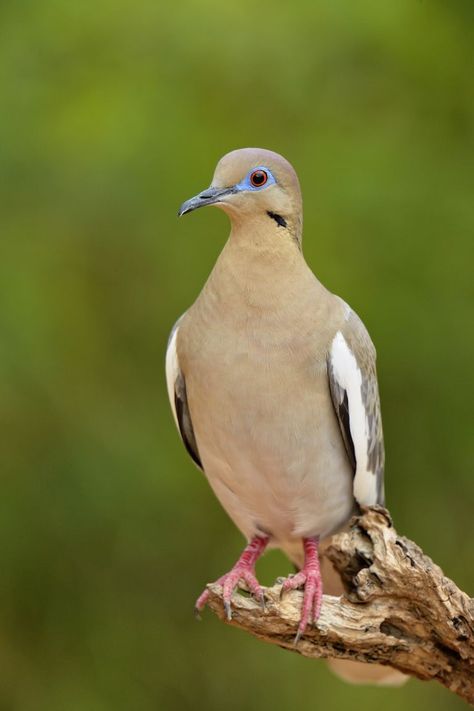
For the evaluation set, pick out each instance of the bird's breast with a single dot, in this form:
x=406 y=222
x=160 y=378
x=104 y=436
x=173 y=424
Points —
x=265 y=426
x=254 y=362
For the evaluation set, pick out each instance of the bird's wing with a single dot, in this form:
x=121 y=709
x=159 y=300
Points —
x=178 y=398
x=355 y=395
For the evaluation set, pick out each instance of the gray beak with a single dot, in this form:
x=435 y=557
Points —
x=207 y=197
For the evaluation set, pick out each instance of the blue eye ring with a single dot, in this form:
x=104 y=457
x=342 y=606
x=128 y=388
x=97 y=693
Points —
x=258 y=178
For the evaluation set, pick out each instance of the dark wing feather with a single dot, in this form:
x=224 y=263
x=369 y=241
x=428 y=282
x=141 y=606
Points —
x=178 y=398
x=184 y=421
x=341 y=406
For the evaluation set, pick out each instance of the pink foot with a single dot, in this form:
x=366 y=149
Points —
x=244 y=570
x=310 y=578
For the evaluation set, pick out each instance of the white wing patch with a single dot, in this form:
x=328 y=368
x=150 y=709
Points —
x=172 y=371
x=349 y=377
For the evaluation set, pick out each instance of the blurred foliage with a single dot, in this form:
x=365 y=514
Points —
x=112 y=113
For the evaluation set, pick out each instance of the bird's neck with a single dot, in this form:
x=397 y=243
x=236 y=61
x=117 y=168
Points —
x=262 y=252
x=263 y=269
x=267 y=231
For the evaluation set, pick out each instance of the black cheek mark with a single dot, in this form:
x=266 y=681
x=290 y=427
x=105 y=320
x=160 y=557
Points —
x=281 y=222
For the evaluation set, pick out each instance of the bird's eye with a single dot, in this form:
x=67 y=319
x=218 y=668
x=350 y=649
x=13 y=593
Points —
x=258 y=178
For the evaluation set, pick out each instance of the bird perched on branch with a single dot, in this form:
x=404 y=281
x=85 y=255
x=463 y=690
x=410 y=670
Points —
x=272 y=382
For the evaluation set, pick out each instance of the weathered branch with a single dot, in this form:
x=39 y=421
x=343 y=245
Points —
x=399 y=609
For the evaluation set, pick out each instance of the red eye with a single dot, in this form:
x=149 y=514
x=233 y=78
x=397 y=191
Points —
x=258 y=178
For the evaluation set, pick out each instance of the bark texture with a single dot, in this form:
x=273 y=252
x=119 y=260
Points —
x=398 y=610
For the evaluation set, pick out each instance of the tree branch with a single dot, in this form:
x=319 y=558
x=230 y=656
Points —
x=399 y=609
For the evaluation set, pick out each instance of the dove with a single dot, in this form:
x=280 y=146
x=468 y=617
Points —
x=272 y=383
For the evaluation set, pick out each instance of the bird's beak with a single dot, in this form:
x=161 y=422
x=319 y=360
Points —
x=208 y=197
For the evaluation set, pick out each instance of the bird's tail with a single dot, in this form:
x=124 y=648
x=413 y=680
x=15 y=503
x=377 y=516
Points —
x=353 y=672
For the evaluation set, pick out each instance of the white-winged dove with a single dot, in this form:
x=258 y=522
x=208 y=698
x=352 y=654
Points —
x=272 y=382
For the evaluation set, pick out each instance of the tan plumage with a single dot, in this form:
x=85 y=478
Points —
x=271 y=377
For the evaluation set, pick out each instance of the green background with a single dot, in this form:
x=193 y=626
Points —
x=111 y=114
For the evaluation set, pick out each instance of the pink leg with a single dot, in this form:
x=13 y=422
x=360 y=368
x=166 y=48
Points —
x=310 y=577
x=244 y=570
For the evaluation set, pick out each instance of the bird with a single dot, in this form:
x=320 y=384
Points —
x=272 y=383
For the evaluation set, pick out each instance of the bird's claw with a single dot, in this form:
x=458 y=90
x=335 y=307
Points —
x=312 y=597
x=244 y=570
x=229 y=583
x=297 y=637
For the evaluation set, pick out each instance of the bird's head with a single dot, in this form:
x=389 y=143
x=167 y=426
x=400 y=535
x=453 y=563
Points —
x=254 y=185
